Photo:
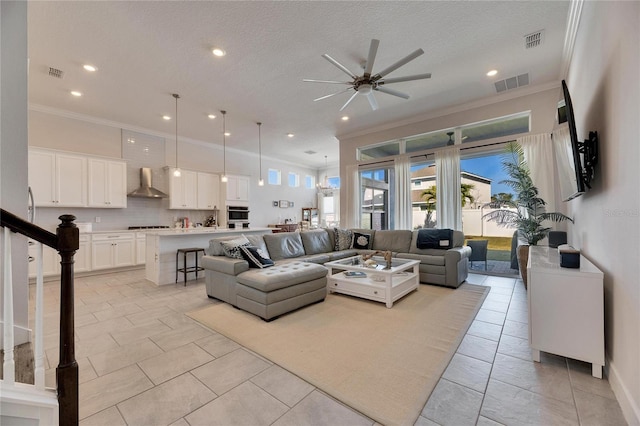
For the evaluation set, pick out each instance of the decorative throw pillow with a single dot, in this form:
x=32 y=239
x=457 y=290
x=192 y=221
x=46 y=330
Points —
x=231 y=248
x=343 y=239
x=361 y=241
x=255 y=257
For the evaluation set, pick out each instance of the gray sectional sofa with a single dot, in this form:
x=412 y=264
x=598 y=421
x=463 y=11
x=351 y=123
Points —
x=298 y=278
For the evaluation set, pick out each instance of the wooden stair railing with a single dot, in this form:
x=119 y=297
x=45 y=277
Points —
x=66 y=241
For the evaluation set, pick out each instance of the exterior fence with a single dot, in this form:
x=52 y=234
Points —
x=472 y=223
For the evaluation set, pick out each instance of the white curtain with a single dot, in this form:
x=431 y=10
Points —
x=352 y=219
x=538 y=153
x=403 y=217
x=448 y=198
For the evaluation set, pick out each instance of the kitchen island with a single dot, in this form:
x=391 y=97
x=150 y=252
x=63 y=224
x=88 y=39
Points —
x=162 y=245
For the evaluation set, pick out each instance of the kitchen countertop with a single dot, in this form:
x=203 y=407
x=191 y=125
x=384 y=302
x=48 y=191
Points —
x=196 y=231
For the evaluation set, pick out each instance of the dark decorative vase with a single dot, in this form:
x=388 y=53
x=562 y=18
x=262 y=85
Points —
x=523 y=259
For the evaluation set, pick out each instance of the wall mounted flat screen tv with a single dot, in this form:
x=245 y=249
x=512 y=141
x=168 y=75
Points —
x=575 y=160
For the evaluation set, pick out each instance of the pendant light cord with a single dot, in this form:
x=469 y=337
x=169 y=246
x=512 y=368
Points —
x=224 y=143
x=260 y=147
x=175 y=95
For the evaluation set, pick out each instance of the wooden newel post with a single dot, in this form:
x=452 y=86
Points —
x=67 y=370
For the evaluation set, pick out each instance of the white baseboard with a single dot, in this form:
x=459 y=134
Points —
x=20 y=335
x=629 y=407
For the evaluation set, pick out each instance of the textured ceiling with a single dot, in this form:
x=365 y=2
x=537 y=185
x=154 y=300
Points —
x=145 y=51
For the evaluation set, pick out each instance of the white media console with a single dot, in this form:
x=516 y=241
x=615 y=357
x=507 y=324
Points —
x=566 y=308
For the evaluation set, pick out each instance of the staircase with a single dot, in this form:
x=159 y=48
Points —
x=25 y=400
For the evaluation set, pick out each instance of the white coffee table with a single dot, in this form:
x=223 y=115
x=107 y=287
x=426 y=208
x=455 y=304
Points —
x=381 y=285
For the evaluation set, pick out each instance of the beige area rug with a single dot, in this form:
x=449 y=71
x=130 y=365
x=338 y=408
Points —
x=381 y=362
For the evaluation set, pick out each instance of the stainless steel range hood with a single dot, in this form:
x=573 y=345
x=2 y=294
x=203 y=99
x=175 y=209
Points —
x=146 y=190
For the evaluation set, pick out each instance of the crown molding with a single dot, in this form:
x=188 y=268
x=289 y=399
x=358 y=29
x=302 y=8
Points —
x=573 y=23
x=491 y=100
x=128 y=127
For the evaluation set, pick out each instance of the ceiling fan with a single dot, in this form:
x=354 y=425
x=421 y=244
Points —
x=367 y=83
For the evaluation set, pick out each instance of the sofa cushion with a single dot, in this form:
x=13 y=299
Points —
x=316 y=241
x=282 y=275
x=342 y=239
x=361 y=241
x=284 y=245
x=215 y=245
x=231 y=248
x=257 y=241
x=398 y=241
x=256 y=257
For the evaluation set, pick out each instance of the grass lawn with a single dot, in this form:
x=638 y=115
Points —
x=495 y=243
x=499 y=248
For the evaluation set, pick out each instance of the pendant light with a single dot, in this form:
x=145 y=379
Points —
x=176 y=172
x=224 y=147
x=324 y=187
x=261 y=181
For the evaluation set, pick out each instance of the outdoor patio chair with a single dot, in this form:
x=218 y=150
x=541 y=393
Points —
x=478 y=251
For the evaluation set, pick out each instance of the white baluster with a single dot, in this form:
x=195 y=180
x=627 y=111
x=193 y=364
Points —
x=39 y=346
x=8 y=367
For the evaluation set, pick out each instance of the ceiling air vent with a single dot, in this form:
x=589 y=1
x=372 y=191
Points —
x=54 y=72
x=310 y=152
x=512 y=82
x=534 y=39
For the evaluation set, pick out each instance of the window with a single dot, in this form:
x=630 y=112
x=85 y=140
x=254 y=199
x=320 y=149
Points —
x=274 y=177
x=334 y=182
x=423 y=194
x=309 y=182
x=294 y=180
x=387 y=149
x=428 y=141
x=490 y=129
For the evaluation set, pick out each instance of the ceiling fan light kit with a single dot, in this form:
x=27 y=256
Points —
x=367 y=84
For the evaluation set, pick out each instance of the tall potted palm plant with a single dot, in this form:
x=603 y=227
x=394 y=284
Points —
x=528 y=212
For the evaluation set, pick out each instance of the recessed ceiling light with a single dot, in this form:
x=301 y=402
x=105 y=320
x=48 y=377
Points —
x=290 y=135
x=166 y=117
x=345 y=118
x=227 y=134
x=211 y=116
x=76 y=93
x=218 y=52
x=492 y=73
x=89 y=68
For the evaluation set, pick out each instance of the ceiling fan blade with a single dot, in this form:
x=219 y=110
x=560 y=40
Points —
x=373 y=49
x=407 y=78
x=410 y=57
x=339 y=65
x=326 y=81
x=372 y=101
x=333 y=94
x=392 y=92
x=349 y=101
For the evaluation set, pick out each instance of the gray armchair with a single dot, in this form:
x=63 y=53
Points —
x=478 y=251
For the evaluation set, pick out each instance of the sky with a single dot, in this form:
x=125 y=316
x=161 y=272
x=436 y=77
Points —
x=489 y=167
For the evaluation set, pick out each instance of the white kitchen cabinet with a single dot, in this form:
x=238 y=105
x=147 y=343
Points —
x=107 y=183
x=141 y=245
x=208 y=191
x=113 y=250
x=237 y=189
x=566 y=308
x=51 y=258
x=57 y=179
x=183 y=190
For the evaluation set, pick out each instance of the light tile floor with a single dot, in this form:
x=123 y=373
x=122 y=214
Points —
x=143 y=362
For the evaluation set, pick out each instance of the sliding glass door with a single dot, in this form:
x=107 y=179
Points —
x=377 y=198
